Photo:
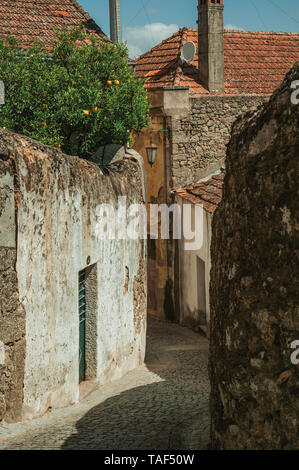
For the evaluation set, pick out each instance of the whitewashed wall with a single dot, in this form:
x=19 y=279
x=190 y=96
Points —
x=56 y=218
x=188 y=272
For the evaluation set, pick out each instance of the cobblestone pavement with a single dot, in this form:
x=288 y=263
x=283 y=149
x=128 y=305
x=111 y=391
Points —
x=163 y=405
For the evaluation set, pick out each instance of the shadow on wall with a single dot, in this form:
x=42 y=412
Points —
x=195 y=320
x=169 y=308
x=170 y=413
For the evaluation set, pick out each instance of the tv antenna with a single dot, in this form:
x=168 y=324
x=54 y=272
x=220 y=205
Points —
x=188 y=51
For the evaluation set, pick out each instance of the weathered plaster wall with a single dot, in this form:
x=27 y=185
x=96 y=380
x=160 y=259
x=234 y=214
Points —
x=56 y=219
x=189 y=282
x=199 y=140
x=157 y=181
x=254 y=291
x=156 y=173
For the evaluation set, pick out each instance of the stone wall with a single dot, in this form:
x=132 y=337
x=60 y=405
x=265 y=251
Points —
x=254 y=290
x=199 y=140
x=48 y=218
x=12 y=315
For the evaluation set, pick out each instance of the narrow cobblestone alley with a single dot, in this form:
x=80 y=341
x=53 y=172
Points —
x=163 y=405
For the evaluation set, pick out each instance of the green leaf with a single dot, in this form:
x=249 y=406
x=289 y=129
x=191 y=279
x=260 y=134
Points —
x=48 y=92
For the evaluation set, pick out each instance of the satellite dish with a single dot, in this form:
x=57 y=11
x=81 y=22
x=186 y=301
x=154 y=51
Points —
x=188 y=51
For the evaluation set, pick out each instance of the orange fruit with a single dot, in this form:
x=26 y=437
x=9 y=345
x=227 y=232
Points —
x=95 y=109
x=44 y=124
x=109 y=82
x=86 y=112
x=58 y=145
x=116 y=82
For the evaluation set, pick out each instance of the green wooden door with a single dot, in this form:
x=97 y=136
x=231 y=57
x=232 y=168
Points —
x=82 y=324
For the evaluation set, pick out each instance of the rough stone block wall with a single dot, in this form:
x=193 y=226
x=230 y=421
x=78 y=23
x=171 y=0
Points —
x=254 y=288
x=199 y=140
x=12 y=328
x=12 y=315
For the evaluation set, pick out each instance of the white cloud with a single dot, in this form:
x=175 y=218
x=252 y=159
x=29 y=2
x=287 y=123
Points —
x=142 y=38
x=232 y=26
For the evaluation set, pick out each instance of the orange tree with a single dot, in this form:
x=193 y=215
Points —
x=79 y=95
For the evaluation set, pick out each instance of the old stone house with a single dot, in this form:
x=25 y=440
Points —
x=195 y=265
x=195 y=104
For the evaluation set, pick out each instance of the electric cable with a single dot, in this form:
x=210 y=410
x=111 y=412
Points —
x=138 y=13
x=283 y=11
x=149 y=22
x=259 y=15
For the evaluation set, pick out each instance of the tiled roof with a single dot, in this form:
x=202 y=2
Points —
x=29 y=20
x=208 y=193
x=254 y=62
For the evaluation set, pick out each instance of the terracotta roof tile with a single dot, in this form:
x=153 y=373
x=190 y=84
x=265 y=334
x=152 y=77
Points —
x=29 y=20
x=208 y=193
x=254 y=62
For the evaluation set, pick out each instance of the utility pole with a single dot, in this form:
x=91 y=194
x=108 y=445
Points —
x=115 y=21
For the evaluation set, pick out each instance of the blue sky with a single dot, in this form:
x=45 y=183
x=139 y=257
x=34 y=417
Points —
x=147 y=22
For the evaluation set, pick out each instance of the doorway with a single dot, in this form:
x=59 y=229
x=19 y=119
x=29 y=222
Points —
x=82 y=325
x=201 y=292
x=88 y=324
x=152 y=276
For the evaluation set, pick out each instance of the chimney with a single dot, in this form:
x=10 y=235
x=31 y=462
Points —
x=115 y=21
x=211 y=44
